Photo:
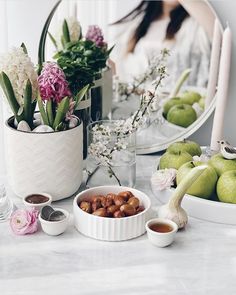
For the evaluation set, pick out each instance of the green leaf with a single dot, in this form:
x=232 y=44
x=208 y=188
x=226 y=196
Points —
x=10 y=95
x=20 y=111
x=42 y=110
x=49 y=111
x=24 y=48
x=28 y=114
x=65 y=30
x=33 y=106
x=81 y=94
x=62 y=109
x=42 y=42
x=61 y=127
x=183 y=77
x=110 y=50
x=53 y=40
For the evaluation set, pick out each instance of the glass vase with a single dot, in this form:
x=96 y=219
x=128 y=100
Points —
x=6 y=205
x=111 y=155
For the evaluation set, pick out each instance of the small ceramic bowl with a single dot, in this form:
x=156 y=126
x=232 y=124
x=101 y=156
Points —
x=55 y=228
x=158 y=238
x=38 y=206
x=111 y=229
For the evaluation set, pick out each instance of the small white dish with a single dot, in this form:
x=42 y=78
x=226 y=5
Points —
x=161 y=239
x=55 y=228
x=111 y=229
x=38 y=206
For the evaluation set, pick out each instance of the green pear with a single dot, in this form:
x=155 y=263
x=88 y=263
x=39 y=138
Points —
x=182 y=115
x=221 y=165
x=174 y=159
x=226 y=187
x=205 y=185
x=188 y=146
x=190 y=97
x=170 y=103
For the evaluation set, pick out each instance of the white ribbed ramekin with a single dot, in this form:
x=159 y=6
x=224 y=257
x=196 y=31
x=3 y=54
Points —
x=111 y=229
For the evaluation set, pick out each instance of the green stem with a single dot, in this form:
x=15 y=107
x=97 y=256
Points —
x=49 y=111
x=28 y=114
x=91 y=174
x=62 y=109
x=66 y=33
x=42 y=111
x=184 y=76
x=113 y=174
x=184 y=185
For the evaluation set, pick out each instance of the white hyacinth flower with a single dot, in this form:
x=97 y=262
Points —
x=19 y=68
x=75 y=31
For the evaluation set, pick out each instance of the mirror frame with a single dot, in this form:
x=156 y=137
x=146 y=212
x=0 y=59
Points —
x=141 y=150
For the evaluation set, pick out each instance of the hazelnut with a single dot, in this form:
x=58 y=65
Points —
x=118 y=200
x=126 y=195
x=85 y=206
x=140 y=209
x=95 y=198
x=96 y=204
x=118 y=214
x=102 y=212
x=128 y=209
x=107 y=201
x=112 y=209
x=111 y=195
x=134 y=202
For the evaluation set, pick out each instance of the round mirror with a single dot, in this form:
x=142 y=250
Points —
x=140 y=30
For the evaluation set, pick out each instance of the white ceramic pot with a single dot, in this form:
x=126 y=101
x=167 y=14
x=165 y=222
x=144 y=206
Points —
x=111 y=229
x=161 y=239
x=55 y=228
x=49 y=162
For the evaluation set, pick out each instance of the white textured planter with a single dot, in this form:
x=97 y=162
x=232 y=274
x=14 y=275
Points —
x=44 y=162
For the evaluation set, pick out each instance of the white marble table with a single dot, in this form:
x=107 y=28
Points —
x=201 y=261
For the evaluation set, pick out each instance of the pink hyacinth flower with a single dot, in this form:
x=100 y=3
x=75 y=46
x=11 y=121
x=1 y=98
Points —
x=52 y=83
x=95 y=34
x=24 y=222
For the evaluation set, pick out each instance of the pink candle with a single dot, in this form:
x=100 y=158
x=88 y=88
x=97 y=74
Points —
x=214 y=64
x=222 y=92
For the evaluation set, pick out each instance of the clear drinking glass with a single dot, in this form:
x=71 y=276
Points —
x=111 y=155
x=6 y=205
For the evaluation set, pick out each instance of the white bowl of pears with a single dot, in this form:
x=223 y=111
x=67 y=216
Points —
x=212 y=196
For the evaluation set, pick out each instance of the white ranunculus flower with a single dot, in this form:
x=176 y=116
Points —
x=163 y=179
x=19 y=68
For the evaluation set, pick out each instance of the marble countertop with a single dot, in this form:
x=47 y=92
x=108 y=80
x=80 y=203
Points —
x=201 y=261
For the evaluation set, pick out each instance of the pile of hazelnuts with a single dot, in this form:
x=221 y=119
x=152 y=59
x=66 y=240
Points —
x=115 y=206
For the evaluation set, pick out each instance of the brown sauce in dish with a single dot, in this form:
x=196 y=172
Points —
x=37 y=199
x=161 y=227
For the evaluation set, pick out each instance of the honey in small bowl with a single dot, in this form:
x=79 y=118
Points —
x=161 y=227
